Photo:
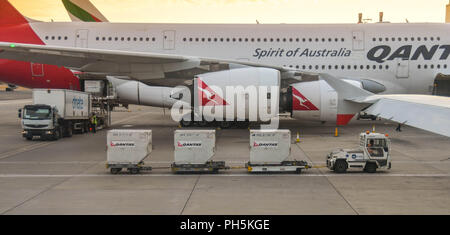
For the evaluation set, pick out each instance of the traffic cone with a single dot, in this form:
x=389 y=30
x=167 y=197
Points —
x=336 y=133
x=298 y=138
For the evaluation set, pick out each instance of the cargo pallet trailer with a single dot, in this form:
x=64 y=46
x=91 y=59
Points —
x=286 y=166
x=209 y=167
x=132 y=168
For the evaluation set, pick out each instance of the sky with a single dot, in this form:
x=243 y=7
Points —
x=245 y=11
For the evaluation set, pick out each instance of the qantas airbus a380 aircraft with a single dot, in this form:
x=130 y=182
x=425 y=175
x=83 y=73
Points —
x=335 y=69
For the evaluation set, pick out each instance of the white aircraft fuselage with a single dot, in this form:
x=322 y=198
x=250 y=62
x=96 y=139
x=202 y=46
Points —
x=405 y=58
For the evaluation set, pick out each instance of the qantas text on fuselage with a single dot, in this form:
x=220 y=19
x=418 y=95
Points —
x=379 y=53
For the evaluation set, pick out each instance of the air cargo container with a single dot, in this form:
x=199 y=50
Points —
x=128 y=149
x=270 y=151
x=194 y=150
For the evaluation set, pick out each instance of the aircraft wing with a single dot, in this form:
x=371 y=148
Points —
x=427 y=112
x=139 y=65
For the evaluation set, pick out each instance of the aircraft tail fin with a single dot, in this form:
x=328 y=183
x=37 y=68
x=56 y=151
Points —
x=83 y=10
x=14 y=27
x=447 y=15
x=9 y=15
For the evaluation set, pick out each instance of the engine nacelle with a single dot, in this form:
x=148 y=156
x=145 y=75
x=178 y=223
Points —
x=314 y=101
x=138 y=93
x=238 y=94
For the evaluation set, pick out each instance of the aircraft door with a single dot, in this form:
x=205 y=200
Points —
x=81 y=38
x=37 y=70
x=402 y=68
x=169 y=39
x=358 y=41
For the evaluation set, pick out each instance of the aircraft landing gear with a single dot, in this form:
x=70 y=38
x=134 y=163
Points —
x=214 y=124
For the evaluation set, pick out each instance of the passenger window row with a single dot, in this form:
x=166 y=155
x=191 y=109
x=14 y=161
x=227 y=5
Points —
x=405 y=39
x=135 y=39
x=338 y=67
x=59 y=38
x=191 y=39
x=432 y=66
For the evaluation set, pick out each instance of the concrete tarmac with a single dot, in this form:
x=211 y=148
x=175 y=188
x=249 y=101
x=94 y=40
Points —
x=69 y=176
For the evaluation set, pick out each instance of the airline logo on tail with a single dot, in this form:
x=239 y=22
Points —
x=301 y=103
x=208 y=97
x=83 y=10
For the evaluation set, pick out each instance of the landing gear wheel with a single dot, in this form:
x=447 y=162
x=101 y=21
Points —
x=202 y=123
x=225 y=125
x=243 y=124
x=115 y=171
x=370 y=168
x=133 y=171
x=185 y=123
x=340 y=167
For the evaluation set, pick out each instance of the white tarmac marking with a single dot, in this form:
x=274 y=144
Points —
x=170 y=162
x=220 y=175
x=24 y=149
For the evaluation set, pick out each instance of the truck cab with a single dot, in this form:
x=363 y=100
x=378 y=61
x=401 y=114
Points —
x=40 y=120
x=373 y=153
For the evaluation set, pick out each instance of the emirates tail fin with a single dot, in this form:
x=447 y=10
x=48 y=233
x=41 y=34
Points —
x=83 y=10
x=447 y=15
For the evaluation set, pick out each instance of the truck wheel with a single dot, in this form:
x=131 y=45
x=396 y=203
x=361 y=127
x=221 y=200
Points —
x=371 y=168
x=340 y=167
x=69 y=132
x=115 y=171
x=29 y=137
x=298 y=171
x=57 y=134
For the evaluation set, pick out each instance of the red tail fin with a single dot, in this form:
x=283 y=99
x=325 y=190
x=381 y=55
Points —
x=14 y=27
x=9 y=15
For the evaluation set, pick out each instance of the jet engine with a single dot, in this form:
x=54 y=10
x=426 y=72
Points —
x=318 y=101
x=238 y=94
x=312 y=101
x=138 y=93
